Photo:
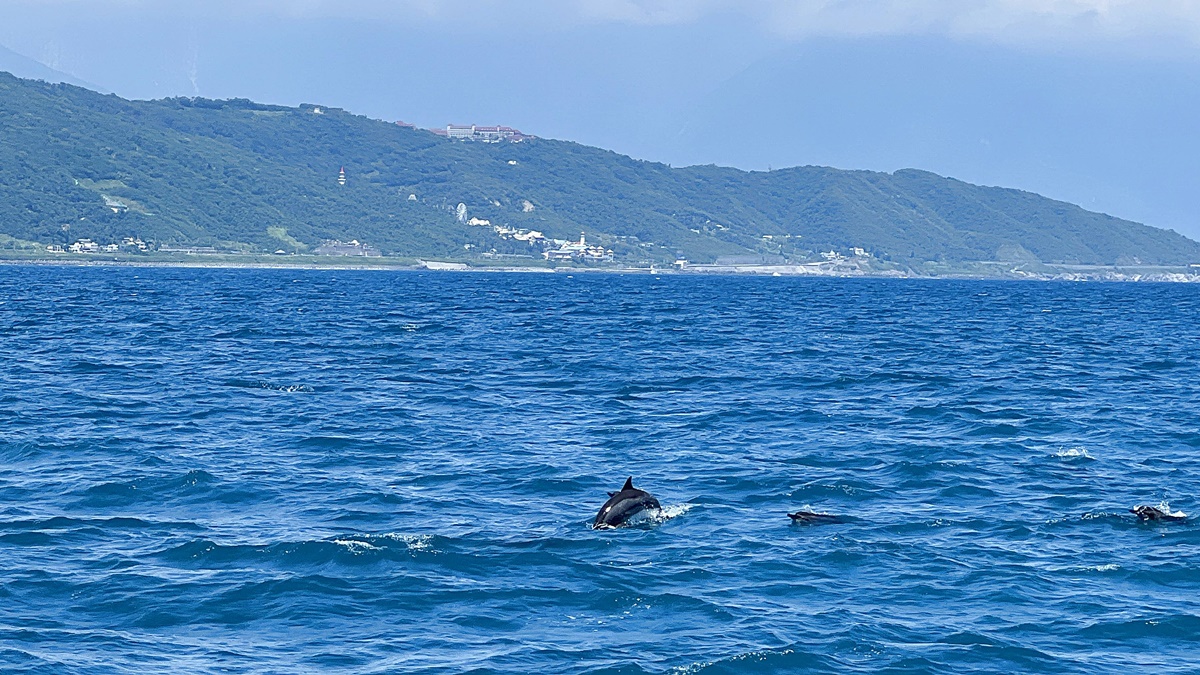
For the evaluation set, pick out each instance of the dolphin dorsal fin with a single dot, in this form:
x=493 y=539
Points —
x=628 y=483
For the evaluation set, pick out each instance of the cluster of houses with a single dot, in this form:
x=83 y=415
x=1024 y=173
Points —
x=476 y=132
x=89 y=246
x=349 y=248
x=553 y=249
x=505 y=232
x=472 y=132
x=515 y=233
x=855 y=252
x=578 y=250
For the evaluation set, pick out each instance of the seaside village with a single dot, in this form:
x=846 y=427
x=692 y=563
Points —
x=560 y=250
x=552 y=249
x=88 y=246
x=557 y=250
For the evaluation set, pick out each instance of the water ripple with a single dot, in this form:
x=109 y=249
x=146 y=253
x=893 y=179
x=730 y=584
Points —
x=365 y=472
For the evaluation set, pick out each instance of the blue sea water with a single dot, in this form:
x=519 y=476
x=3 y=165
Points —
x=286 y=471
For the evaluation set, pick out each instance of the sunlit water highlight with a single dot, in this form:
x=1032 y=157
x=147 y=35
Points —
x=216 y=471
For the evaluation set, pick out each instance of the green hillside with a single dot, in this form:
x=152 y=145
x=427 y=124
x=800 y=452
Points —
x=240 y=176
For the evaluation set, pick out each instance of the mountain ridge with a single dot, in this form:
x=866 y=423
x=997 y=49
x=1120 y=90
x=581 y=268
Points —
x=243 y=176
x=22 y=66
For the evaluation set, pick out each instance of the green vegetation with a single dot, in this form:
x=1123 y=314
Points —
x=280 y=233
x=240 y=176
x=12 y=244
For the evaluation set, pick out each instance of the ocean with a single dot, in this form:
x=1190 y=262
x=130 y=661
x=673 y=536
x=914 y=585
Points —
x=303 y=471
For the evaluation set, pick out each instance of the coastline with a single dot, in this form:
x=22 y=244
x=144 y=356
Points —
x=976 y=271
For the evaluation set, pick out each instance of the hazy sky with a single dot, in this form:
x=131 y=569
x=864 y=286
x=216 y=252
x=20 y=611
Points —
x=1092 y=101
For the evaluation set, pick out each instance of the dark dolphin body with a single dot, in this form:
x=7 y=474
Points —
x=813 y=518
x=1154 y=513
x=623 y=505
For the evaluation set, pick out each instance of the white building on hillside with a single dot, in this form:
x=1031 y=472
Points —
x=579 y=250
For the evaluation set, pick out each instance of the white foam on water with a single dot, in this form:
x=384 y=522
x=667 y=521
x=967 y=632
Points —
x=356 y=546
x=691 y=668
x=667 y=513
x=1166 y=508
x=414 y=542
x=758 y=655
x=286 y=388
x=652 y=517
x=809 y=508
x=1073 y=453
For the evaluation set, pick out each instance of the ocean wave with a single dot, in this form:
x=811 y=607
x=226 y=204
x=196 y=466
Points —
x=103 y=523
x=356 y=546
x=423 y=505
x=414 y=542
x=1161 y=626
x=271 y=386
x=346 y=548
x=1075 y=453
x=85 y=366
x=789 y=659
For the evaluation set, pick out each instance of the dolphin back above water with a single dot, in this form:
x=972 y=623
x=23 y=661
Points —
x=814 y=518
x=623 y=505
x=1155 y=513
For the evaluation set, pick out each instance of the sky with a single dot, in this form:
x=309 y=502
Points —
x=1089 y=101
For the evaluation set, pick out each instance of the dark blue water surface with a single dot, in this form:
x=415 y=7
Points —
x=278 y=471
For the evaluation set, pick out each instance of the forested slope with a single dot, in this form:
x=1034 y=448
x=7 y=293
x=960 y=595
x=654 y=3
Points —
x=243 y=176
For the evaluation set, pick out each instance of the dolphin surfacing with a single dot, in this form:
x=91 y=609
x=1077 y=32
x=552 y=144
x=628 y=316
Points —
x=1145 y=513
x=623 y=505
x=814 y=518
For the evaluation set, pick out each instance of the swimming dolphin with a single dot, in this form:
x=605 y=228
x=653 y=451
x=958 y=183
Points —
x=623 y=505
x=813 y=518
x=1155 y=513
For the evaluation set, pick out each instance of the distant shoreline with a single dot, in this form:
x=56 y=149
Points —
x=979 y=271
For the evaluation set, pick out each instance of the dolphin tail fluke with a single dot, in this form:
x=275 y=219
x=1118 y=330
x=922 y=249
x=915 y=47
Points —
x=628 y=483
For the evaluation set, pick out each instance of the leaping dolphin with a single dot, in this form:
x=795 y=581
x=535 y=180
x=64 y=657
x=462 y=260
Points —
x=623 y=505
